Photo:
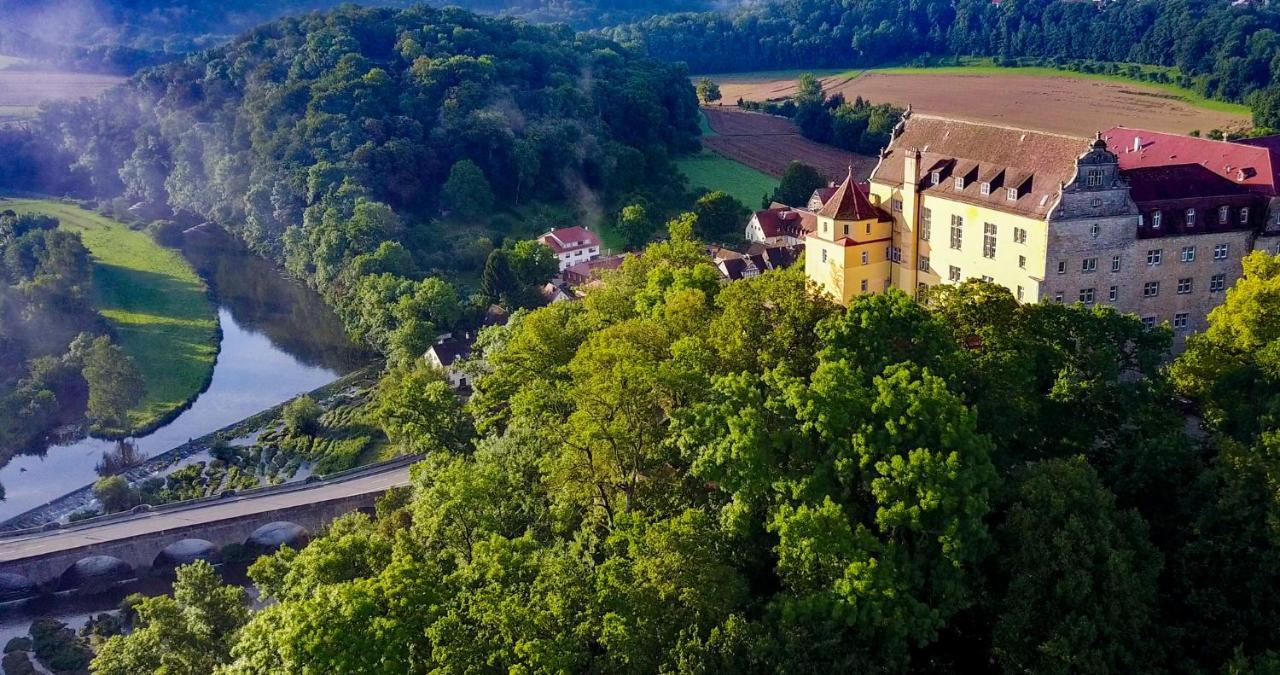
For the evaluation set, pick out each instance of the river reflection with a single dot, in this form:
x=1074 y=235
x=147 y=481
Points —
x=278 y=340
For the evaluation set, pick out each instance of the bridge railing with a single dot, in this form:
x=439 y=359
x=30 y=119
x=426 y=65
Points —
x=311 y=482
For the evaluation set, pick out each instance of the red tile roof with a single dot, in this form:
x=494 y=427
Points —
x=1247 y=163
x=850 y=202
x=781 y=221
x=570 y=239
x=581 y=273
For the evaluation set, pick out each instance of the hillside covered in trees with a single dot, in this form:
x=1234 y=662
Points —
x=334 y=144
x=122 y=36
x=1224 y=50
x=676 y=475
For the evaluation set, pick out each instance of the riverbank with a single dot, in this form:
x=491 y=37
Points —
x=159 y=309
x=61 y=507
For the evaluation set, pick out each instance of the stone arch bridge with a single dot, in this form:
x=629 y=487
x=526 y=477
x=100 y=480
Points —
x=111 y=548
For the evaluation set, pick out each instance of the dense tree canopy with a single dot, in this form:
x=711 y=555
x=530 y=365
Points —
x=675 y=474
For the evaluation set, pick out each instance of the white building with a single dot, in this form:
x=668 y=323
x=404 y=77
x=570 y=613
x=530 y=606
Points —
x=572 y=245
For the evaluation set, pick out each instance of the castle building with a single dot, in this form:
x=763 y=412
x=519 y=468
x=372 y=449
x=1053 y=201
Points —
x=1151 y=224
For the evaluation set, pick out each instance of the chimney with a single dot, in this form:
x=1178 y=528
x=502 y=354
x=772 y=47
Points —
x=1137 y=143
x=911 y=167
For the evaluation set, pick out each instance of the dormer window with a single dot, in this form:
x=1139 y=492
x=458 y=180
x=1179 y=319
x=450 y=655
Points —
x=1011 y=194
x=935 y=177
x=1191 y=217
x=1156 y=218
x=1244 y=215
x=959 y=182
x=985 y=188
x=1223 y=214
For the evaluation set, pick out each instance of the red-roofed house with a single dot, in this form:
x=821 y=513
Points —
x=781 y=224
x=572 y=245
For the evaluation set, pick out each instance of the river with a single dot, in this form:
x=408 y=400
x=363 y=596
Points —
x=279 y=339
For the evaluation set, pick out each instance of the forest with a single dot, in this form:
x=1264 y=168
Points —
x=1221 y=50
x=381 y=155
x=677 y=475
x=121 y=36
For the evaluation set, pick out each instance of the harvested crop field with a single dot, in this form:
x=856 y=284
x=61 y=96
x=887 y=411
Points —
x=1065 y=103
x=22 y=90
x=768 y=144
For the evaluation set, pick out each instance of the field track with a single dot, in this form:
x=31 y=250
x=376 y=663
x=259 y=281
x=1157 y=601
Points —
x=769 y=143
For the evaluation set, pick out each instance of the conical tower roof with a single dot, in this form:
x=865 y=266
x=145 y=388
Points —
x=849 y=202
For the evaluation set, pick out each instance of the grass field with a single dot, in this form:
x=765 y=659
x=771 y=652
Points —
x=715 y=172
x=153 y=299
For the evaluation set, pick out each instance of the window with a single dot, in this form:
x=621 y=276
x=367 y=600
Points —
x=1062 y=267
x=1113 y=293
x=846 y=229
x=824 y=255
x=924 y=263
x=1020 y=294
x=1011 y=194
x=1154 y=255
x=1115 y=263
x=864 y=285
x=1151 y=289
x=1184 y=286
x=1057 y=297
x=824 y=228
x=926 y=224
x=1142 y=220
x=1156 y=218
x=868 y=228
x=1095 y=178
x=1022 y=262
x=1217 y=283
x=1094 y=230
x=1019 y=235
x=1191 y=217
x=935 y=177
x=1180 y=320
x=985 y=188
x=1223 y=213
x=1244 y=215
x=864 y=257
x=1086 y=296
x=953 y=273
x=959 y=182
x=1089 y=265
x=988 y=240
x=957 y=236
x=921 y=289
x=895 y=254
x=988 y=278
x=1149 y=321
x=1188 y=254
x=897 y=205
x=1220 y=252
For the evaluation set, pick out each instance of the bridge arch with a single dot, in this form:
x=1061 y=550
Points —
x=279 y=533
x=185 y=551
x=16 y=587
x=95 y=573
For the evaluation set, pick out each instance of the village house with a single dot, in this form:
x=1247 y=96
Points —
x=586 y=271
x=759 y=258
x=572 y=245
x=1151 y=224
x=451 y=349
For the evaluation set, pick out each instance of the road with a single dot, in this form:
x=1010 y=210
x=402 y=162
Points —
x=25 y=546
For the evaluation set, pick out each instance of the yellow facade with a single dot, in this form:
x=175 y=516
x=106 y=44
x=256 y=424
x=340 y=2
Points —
x=847 y=258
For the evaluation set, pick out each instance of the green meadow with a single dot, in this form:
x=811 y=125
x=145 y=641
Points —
x=716 y=172
x=157 y=305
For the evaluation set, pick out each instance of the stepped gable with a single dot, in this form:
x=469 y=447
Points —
x=1034 y=164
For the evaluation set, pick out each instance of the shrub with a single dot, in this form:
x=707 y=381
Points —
x=301 y=415
x=18 y=644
